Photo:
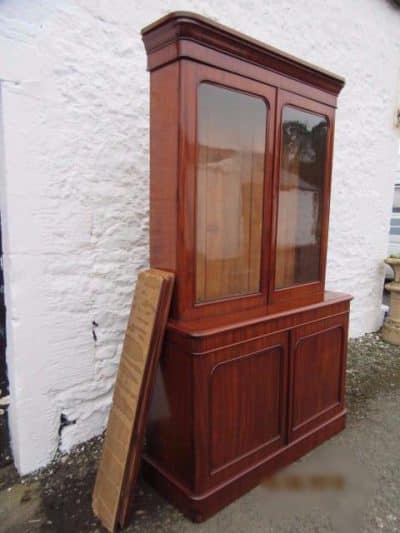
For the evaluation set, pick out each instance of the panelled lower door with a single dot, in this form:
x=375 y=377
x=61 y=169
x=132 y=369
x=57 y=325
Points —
x=317 y=374
x=243 y=391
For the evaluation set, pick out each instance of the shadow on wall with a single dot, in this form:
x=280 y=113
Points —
x=5 y=452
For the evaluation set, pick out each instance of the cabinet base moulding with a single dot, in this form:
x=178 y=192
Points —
x=200 y=507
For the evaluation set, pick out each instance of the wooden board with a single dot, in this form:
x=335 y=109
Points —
x=123 y=442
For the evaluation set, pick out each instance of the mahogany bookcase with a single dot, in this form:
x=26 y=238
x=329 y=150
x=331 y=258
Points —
x=252 y=371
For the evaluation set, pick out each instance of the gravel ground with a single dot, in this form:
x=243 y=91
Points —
x=359 y=471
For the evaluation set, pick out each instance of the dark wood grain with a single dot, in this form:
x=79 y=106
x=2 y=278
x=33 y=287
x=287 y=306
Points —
x=252 y=371
x=179 y=27
x=170 y=423
x=223 y=396
x=318 y=358
x=252 y=385
x=164 y=127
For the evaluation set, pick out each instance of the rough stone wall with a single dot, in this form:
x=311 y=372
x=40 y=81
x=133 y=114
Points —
x=74 y=183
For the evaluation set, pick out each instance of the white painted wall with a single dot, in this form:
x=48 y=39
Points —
x=74 y=189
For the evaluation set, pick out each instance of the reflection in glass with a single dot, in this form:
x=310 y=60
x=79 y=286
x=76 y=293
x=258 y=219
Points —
x=230 y=177
x=302 y=174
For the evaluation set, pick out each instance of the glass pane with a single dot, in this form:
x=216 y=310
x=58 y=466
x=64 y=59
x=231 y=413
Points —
x=230 y=177
x=302 y=177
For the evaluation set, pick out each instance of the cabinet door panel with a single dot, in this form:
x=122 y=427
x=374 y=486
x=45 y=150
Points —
x=317 y=368
x=225 y=180
x=301 y=190
x=246 y=391
x=250 y=386
x=230 y=192
x=303 y=159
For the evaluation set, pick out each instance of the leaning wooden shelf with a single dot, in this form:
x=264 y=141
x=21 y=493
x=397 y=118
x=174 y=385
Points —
x=116 y=477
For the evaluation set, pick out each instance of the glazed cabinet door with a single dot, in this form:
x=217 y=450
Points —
x=302 y=185
x=240 y=405
x=317 y=374
x=226 y=181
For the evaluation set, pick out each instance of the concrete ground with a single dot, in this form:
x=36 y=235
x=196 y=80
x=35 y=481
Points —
x=351 y=483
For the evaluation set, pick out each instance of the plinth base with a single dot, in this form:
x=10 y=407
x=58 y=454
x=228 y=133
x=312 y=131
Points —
x=200 y=507
x=391 y=331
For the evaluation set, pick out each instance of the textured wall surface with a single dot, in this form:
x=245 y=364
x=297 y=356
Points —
x=74 y=182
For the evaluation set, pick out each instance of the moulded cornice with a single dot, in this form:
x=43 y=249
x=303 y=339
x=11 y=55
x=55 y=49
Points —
x=170 y=31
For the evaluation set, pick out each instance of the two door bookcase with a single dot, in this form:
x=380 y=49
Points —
x=253 y=363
